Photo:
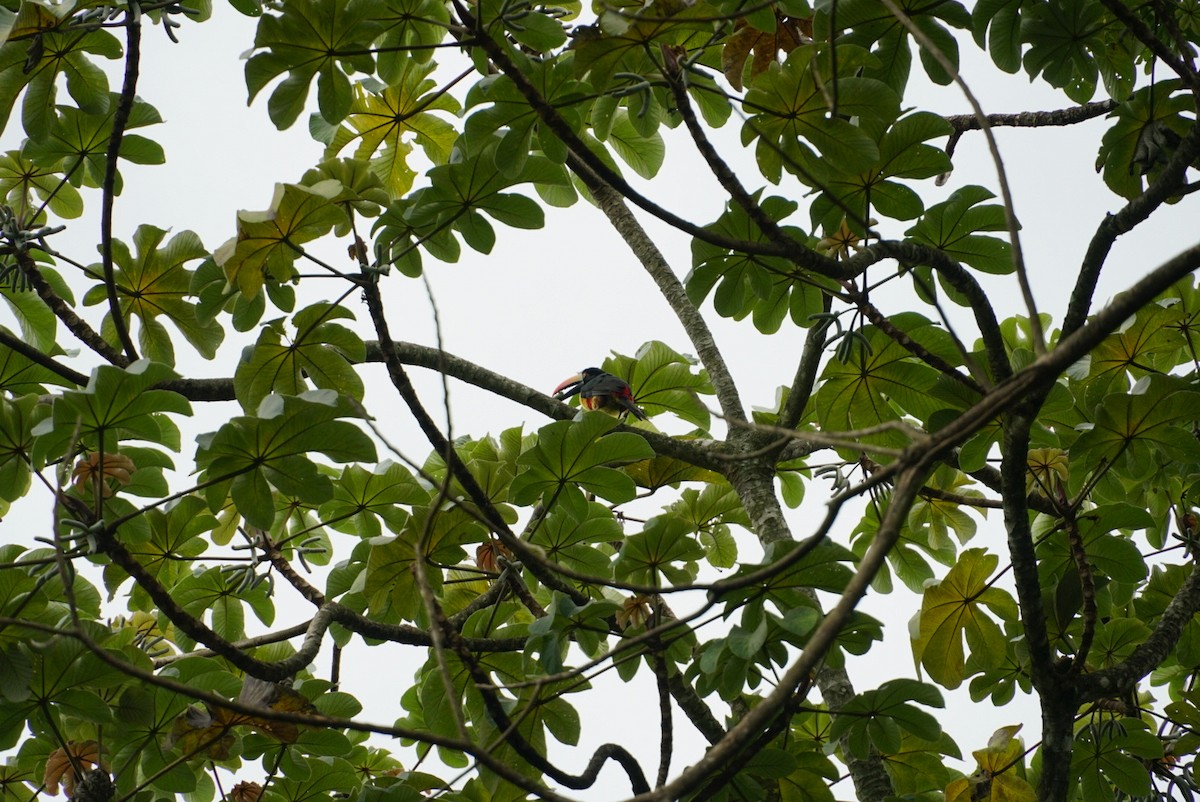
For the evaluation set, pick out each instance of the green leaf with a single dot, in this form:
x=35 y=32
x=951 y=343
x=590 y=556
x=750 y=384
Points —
x=387 y=121
x=117 y=404
x=953 y=608
x=250 y=456
x=877 y=719
x=950 y=226
x=266 y=243
x=312 y=39
x=154 y=282
x=1148 y=128
x=79 y=139
x=321 y=352
x=662 y=381
x=662 y=550
x=579 y=453
x=1136 y=430
x=362 y=498
x=25 y=186
x=793 y=112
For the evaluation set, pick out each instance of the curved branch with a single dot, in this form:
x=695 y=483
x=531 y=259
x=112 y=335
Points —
x=133 y=51
x=702 y=453
x=1122 y=678
x=910 y=253
x=1132 y=214
x=63 y=311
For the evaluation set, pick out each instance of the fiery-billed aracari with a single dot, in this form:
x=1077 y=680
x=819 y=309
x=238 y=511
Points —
x=600 y=390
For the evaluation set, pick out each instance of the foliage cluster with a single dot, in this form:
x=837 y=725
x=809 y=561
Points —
x=519 y=565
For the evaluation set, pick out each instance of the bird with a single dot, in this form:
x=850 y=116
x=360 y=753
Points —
x=600 y=390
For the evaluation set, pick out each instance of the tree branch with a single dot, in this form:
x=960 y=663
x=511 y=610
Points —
x=627 y=226
x=133 y=50
x=1132 y=214
x=38 y=358
x=77 y=325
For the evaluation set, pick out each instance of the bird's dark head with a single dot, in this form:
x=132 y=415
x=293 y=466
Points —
x=572 y=385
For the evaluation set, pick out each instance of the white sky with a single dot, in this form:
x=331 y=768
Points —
x=546 y=303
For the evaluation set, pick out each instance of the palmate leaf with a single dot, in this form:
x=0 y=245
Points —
x=174 y=541
x=950 y=227
x=902 y=154
x=386 y=119
x=17 y=418
x=953 y=608
x=249 y=456
x=461 y=192
x=579 y=453
x=25 y=186
x=390 y=587
x=664 y=549
x=1062 y=37
x=1111 y=555
x=576 y=537
x=1149 y=343
x=78 y=141
x=877 y=719
x=792 y=107
x=362 y=498
x=320 y=352
x=662 y=380
x=1148 y=126
x=63 y=52
x=266 y=241
x=877 y=381
x=506 y=115
x=311 y=39
x=768 y=288
x=1118 y=757
x=117 y=404
x=411 y=30
x=154 y=282
x=1136 y=431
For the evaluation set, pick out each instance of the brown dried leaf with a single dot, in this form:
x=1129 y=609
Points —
x=88 y=472
x=789 y=34
x=245 y=792
x=60 y=768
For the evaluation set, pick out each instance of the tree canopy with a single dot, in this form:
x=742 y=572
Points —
x=175 y=614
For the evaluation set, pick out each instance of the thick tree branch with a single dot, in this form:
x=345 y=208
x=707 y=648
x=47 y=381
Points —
x=77 y=325
x=1121 y=679
x=38 y=358
x=1033 y=119
x=1166 y=185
